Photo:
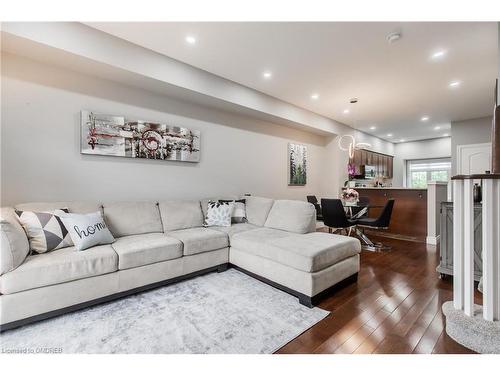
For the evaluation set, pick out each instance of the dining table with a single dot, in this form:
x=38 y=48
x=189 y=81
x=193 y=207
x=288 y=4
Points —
x=363 y=209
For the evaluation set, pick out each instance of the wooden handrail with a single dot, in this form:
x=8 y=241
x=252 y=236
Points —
x=485 y=176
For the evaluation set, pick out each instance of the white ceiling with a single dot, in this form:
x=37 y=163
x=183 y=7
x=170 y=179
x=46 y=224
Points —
x=396 y=84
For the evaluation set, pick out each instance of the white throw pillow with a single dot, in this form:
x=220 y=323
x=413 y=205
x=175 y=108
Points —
x=219 y=214
x=239 y=214
x=45 y=230
x=87 y=230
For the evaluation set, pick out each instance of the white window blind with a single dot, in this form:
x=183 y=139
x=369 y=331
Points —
x=420 y=172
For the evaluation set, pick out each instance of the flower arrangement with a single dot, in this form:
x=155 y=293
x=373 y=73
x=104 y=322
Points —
x=351 y=170
x=350 y=196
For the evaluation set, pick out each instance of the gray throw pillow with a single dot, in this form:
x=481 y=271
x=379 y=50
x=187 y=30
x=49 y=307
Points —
x=87 y=230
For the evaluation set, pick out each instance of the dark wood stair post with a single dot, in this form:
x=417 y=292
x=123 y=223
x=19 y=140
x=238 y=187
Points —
x=495 y=142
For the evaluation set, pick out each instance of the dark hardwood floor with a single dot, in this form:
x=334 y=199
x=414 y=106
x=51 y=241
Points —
x=395 y=307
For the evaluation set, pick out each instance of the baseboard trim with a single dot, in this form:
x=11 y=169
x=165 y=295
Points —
x=433 y=240
x=111 y=297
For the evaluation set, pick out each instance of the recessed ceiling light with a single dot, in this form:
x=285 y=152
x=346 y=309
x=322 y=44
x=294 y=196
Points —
x=267 y=75
x=424 y=118
x=315 y=96
x=437 y=127
x=389 y=135
x=438 y=54
x=373 y=127
x=401 y=140
x=346 y=111
x=454 y=83
x=445 y=135
x=190 y=39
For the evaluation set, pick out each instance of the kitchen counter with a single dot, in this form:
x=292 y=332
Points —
x=409 y=215
x=386 y=188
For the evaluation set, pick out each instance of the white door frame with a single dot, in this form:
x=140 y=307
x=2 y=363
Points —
x=461 y=148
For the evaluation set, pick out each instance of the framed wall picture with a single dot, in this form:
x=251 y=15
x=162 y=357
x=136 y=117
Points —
x=297 y=164
x=103 y=134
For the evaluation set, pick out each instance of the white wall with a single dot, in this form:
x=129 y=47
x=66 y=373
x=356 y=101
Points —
x=427 y=149
x=40 y=145
x=469 y=132
x=41 y=157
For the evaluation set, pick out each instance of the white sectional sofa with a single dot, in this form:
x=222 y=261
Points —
x=163 y=242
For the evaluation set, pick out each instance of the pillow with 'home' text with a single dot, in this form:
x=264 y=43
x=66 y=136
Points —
x=87 y=230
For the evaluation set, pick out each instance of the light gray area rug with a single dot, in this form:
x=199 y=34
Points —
x=226 y=312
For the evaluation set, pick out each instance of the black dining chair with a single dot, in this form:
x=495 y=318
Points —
x=313 y=200
x=379 y=223
x=334 y=216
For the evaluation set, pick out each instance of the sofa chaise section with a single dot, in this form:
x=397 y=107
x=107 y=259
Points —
x=310 y=252
x=288 y=254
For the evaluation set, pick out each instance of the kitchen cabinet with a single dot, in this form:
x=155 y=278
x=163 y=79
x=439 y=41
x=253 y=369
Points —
x=378 y=166
x=389 y=167
x=383 y=163
x=357 y=161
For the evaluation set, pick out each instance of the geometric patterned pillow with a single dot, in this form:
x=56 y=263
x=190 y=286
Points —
x=45 y=230
x=219 y=213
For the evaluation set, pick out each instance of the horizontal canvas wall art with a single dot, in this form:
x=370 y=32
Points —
x=297 y=164
x=103 y=134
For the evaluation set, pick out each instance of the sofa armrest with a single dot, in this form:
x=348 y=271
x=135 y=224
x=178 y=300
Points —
x=14 y=245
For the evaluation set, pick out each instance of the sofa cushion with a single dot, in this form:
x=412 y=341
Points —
x=75 y=207
x=310 y=252
x=257 y=209
x=14 y=245
x=235 y=229
x=292 y=216
x=199 y=240
x=128 y=218
x=180 y=215
x=59 y=266
x=141 y=249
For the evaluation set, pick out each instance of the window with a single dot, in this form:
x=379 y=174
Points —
x=420 y=172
